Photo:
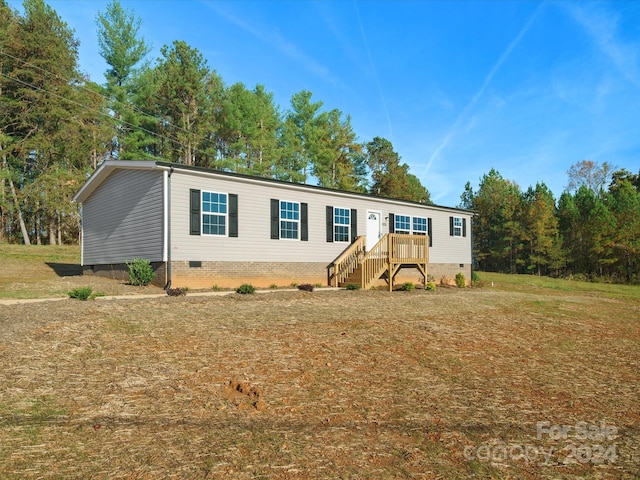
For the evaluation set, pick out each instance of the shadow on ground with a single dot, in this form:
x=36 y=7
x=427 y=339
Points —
x=65 y=269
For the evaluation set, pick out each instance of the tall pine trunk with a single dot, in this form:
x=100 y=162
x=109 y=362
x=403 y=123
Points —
x=16 y=204
x=52 y=230
x=3 y=196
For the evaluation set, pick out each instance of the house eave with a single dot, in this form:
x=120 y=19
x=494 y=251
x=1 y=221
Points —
x=304 y=187
x=104 y=170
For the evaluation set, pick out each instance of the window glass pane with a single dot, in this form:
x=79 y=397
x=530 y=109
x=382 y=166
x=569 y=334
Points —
x=213 y=224
x=341 y=233
x=289 y=219
x=341 y=224
x=403 y=224
x=419 y=225
x=457 y=226
x=289 y=229
x=214 y=210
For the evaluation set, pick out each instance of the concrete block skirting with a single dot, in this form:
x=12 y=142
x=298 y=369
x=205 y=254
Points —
x=119 y=271
x=203 y=274
x=446 y=272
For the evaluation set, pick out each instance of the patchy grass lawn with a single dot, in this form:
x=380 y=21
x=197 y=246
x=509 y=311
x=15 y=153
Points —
x=45 y=271
x=519 y=380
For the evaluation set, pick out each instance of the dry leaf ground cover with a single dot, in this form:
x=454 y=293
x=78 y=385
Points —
x=526 y=378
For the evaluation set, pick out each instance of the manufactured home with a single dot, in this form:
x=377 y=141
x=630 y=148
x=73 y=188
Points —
x=202 y=228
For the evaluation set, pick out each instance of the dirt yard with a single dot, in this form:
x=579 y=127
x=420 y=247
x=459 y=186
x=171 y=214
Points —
x=518 y=382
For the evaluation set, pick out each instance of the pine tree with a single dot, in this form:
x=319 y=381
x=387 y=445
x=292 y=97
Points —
x=249 y=127
x=625 y=234
x=122 y=49
x=497 y=227
x=184 y=103
x=7 y=20
x=302 y=132
x=336 y=163
x=541 y=227
x=390 y=177
x=40 y=112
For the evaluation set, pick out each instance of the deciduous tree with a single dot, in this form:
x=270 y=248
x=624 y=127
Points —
x=590 y=174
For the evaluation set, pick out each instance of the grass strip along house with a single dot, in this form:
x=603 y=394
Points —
x=202 y=228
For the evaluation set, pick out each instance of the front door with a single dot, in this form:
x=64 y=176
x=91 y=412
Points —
x=374 y=228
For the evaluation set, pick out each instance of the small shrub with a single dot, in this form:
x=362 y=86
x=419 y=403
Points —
x=352 y=286
x=476 y=281
x=294 y=284
x=407 y=287
x=461 y=282
x=306 y=287
x=82 y=293
x=319 y=285
x=246 y=288
x=176 y=292
x=216 y=288
x=430 y=286
x=273 y=286
x=140 y=272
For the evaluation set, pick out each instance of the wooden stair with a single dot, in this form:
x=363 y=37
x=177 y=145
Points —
x=390 y=255
x=354 y=277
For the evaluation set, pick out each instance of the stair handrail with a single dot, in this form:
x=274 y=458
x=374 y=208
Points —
x=375 y=262
x=392 y=248
x=347 y=262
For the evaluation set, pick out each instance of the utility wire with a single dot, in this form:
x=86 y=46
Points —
x=104 y=97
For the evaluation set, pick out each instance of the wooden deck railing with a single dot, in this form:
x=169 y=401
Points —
x=408 y=248
x=393 y=252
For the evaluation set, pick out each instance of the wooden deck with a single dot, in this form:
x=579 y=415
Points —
x=391 y=254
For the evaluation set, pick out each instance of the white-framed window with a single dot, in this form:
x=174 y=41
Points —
x=419 y=226
x=457 y=226
x=214 y=213
x=289 y=220
x=341 y=224
x=402 y=224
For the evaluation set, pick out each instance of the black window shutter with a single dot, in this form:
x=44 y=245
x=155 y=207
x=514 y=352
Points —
x=233 y=215
x=392 y=223
x=430 y=232
x=275 y=219
x=464 y=227
x=304 y=222
x=451 y=226
x=354 y=224
x=329 y=224
x=194 y=219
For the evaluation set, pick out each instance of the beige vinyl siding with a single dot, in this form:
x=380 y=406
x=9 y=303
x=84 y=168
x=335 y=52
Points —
x=124 y=218
x=254 y=244
x=448 y=249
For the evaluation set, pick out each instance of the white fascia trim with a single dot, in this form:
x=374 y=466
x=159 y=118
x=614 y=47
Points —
x=165 y=198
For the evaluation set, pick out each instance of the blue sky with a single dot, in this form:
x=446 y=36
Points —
x=459 y=87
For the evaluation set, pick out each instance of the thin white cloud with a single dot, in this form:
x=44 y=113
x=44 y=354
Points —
x=375 y=71
x=602 y=27
x=464 y=114
x=275 y=39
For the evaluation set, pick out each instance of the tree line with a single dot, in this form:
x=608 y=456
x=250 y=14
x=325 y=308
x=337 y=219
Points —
x=591 y=231
x=56 y=126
